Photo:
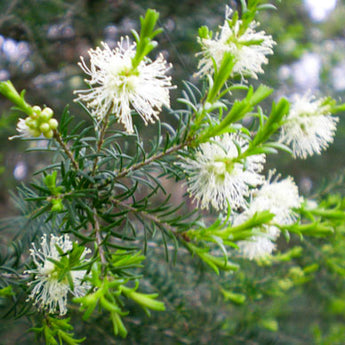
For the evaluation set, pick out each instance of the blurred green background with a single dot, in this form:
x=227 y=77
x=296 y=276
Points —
x=41 y=42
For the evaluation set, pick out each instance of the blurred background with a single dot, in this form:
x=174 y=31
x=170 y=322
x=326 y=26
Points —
x=41 y=42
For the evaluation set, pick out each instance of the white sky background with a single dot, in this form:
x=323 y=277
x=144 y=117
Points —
x=320 y=9
x=306 y=71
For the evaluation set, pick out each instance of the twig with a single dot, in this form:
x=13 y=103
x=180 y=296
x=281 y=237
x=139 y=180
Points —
x=99 y=237
x=14 y=276
x=134 y=167
x=58 y=138
x=100 y=142
x=146 y=215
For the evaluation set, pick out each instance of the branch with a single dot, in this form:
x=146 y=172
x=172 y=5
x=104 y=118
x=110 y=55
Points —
x=148 y=161
x=14 y=276
x=99 y=237
x=147 y=216
x=100 y=141
x=58 y=138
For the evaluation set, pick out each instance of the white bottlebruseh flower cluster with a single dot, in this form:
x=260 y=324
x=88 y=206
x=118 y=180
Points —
x=249 y=48
x=279 y=198
x=216 y=177
x=116 y=87
x=309 y=127
x=48 y=292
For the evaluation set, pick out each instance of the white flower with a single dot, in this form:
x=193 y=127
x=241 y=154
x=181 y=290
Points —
x=216 y=177
x=24 y=130
x=48 y=292
x=279 y=198
x=257 y=247
x=309 y=126
x=249 y=48
x=116 y=87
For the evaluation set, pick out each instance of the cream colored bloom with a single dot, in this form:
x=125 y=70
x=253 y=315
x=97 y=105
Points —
x=279 y=198
x=217 y=178
x=48 y=291
x=249 y=48
x=309 y=127
x=117 y=88
x=257 y=246
x=24 y=131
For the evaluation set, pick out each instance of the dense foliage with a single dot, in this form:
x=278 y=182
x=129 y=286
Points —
x=175 y=231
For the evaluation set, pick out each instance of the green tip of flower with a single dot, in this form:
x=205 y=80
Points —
x=205 y=33
x=8 y=90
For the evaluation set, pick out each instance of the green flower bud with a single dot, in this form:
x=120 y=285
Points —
x=45 y=127
x=53 y=124
x=46 y=114
x=36 y=112
x=34 y=132
x=28 y=121
x=32 y=124
x=49 y=134
x=57 y=205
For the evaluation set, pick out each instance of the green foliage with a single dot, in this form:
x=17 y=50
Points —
x=57 y=331
x=118 y=194
x=238 y=111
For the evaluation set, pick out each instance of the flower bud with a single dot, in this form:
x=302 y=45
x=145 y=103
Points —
x=46 y=114
x=57 y=205
x=49 y=134
x=36 y=112
x=53 y=124
x=28 y=121
x=44 y=127
x=31 y=123
x=34 y=132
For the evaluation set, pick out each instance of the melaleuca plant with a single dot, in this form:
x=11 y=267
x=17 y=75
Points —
x=101 y=204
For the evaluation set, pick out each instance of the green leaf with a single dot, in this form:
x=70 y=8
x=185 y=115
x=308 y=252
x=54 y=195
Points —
x=273 y=123
x=7 y=291
x=238 y=111
x=221 y=75
x=118 y=326
x=146 y=301
x=236 y=298
x=53 y=329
